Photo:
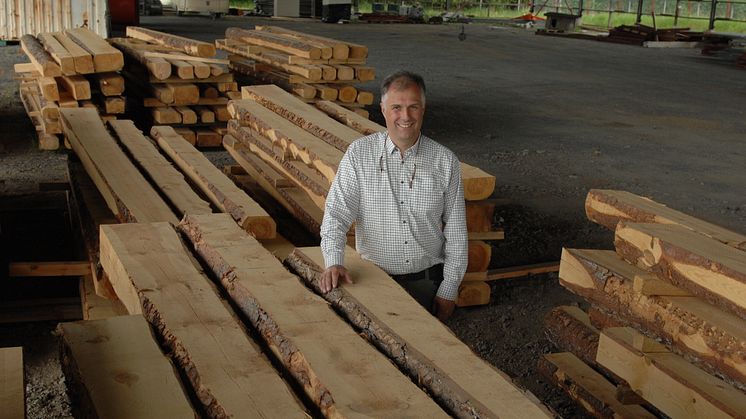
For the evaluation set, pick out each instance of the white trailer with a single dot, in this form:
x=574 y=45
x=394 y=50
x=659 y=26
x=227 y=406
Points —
x=214 y=8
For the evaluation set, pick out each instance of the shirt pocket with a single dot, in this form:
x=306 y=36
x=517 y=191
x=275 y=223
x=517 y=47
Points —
x=428 y=196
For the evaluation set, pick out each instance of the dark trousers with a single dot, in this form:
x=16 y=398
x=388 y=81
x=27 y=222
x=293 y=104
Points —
x=423 y=285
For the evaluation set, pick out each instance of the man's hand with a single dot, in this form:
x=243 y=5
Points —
x=332 y=276
x=444 y=308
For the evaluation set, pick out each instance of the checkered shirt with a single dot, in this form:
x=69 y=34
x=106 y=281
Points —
x=408 y=211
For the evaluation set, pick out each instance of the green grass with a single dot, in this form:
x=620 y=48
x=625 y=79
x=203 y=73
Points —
x=601 y=19
x=242 y=4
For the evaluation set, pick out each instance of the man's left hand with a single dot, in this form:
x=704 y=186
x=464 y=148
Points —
x=444 y=308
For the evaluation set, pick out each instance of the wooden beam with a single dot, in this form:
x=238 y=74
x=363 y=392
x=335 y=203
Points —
x=473 y=292
x=58 y=53
x=591 y=390
x=405 y=331
x=117 y=370
x=30 y=269
x=301 y=114
x=339 y=372
x=277 y=185
x=480 y=254
x=227 y=370
x=39 y=57
x=223 y=193
x=299 y=143
x=608 y=207
x=12 y=383
x=353 y=50
x=190 y=46
x=127 y=193
x=109 y=84
x=105 y=57
x=315 y=184
x=696 y=328
x=671 y=384
x=519 y=271
x=82 y=59
x=703 y=266
x=295 y=47
x=158 y=67
x=163 y=174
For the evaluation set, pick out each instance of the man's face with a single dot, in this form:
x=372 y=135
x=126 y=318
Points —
x=403 y=110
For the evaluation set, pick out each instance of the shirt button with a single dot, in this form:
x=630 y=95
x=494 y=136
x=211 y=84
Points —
x=404 y=222
x=407 y=261
x=406 y=242
x=402 y=181
x=401 y=202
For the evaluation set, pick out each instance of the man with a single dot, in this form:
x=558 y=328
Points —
x=404 y=193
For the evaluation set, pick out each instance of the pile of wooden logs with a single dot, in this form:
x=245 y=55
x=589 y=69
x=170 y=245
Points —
x=666 y=326
x=292 y=149
x=138 y=183
x=182 y=350
x=68 y=69
x=176 y=81
x=311 y=67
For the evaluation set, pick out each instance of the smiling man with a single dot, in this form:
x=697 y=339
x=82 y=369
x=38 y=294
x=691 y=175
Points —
x=404 y=193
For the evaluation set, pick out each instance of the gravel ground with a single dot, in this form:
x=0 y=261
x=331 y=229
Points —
x=549 y=117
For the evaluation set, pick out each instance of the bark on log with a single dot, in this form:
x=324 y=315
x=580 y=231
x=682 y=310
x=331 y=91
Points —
x=223 y=193
x=608 y=207
x=295 y=47
x=339 y=372
x=302 y=114
x=301 y=144
x=190 y=46
x=590 y=389
x=674 y=386
x=703 y=266
x=712 y=338
x=316 y=186
x=44 y=63
x=229 y=374
x=469 y=388
x=570 y=330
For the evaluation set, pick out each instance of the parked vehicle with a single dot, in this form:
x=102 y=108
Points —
x=151 y=7
x=214 y=8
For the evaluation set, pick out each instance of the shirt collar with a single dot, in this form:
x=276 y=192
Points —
x=391 y=147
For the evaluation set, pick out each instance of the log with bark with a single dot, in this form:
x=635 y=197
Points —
x=417 y=341
x=608 y=207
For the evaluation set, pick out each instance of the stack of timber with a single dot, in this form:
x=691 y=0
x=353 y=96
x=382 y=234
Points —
x=311 y=67
x=666 y=325
x=74 y=68
x=176 y=81
x=292 y=150
x=122 y=177
x=630 y=34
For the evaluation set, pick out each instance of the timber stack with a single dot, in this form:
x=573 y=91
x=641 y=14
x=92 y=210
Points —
x=185 y=360
x=311 y=67
x=70 y=69
x=292 y=150
x=176 y=81
x=123 y=176
x=666 y=328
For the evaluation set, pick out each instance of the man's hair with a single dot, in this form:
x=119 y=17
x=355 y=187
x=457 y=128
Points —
x=401 y=80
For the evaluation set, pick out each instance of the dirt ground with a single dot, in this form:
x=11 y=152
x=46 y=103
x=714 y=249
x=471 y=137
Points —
x=551 y=118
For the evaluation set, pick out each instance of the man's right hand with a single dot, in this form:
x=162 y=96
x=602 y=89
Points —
x=332 y=276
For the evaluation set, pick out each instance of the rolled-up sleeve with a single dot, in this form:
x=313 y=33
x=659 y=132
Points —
x=456 y=236
x=341 y=209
